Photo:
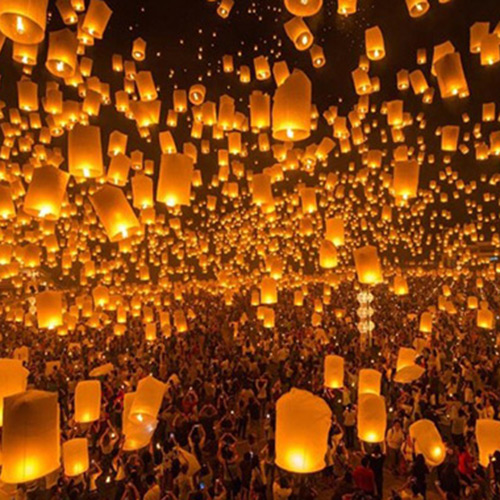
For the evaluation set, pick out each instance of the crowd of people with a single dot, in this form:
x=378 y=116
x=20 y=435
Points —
x=224 y=376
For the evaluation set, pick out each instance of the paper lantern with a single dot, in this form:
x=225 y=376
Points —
x=224 y=8
x=472 y=302
x=451 y=77
x=372 y=418
x=174 y=184
x=488 y=439
x=369 y=381
x=27 y=93
x=303 y=8
x=408 y=374
x=46 y=193
x=449 y=137
x=428 y=442
x=417 y=8
x=96 y=18
x=87 y=401
x=62 y=54
x=147 y=401
x=268 y=291
x=261 y=190
x=137 y=435
x=180 y=322
x=327 y=255
x=49 y=309
x=146 y=86
x=75 y=454
x=139 y=49
x=299 y=33
x=406 y=176
x=400 y=285
x=374 y=43
x=85 y=151
x=115 y=213
x=485 y=319
x=302 y=425
x=367 y=265
x=292 y=108
x=119 y=169
x=23 y=21
x=406 y=357
x=334 y=371
x=268 y=318
x=30 y=437
x=260 y=109
x=142 y=191
x=425 y=322
x=13 y=380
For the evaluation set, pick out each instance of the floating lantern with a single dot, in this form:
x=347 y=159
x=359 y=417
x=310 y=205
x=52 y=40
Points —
x=62 y=54
x=49 y=309
x=303 y=8
x=334 y=372
x=147 y=401
x=75 y=454
x=488 y=439
x=367 y=265
x=30 y=437
x=87 y=401
x=374 y=43
x=369 y=381
x=13 y=380
x=85 y=151
x=372 y=418
x=302 y=425
x=428 y=442
x=23 y=21
x=174 y=184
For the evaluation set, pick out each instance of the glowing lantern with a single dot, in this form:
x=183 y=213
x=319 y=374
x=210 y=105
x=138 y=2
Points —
x=367 y=265
x=118 y=169
x=75 y=453
x=268 y=317
x=180 y=321
x=136 y=434
x=369 y=381
x=303 y=8
x=142 y=191
x=49 y=310
x=302 y=424
x=317 y=56
x=372 y=418
x=488 y=439
x=406 y=357
x=428 y=442
x=96 y=18
x=13 y=380
x=334 y=371
x=400 y=285
x=417 y=8
x=299 y=33
x=27 y=93
x=85 y=151
x=23 y=21
x=451 y=77
x=347 y=7
x=46 y=193
x=139 y=49
x=260 y=108
x=147 y=401
x=327 y=255
x=406 y=176
x=146 y=86
x=174 y=184
x=261 y=190
x=485 y=319
x=87 y=401
x=224 y=8
x=374 y=43
x=292 y=108
x=30 y=437
x=268 y=291
x=115 y=213
x=62 y=55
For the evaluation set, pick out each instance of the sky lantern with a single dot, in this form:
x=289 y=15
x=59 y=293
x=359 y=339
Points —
x=372 y=418
x=485 y=319
x=417 y=8
x=147 y=401
x=13 y=380
x=174 y=184
x=302 y=425
x=369 y=381
x=406 y=177
x=374 y=43
x=75 y=453
x=87 y=401
x=406 y=357
x=427 y=441
x=23 y=21
x=299 y=33
x=268 y=291
x=30 y=436
x=137 y=434
x=96 y=18
x=400 y=285
x=303 y=8
x=367 y=265
x=115 y=213
x=334 y=371
x=488 y=439
x=46 y=193
x=49 y=309
x=451 y=77
x=327 y=255
x=291 y=112
x=62 y=54
x=85 y=151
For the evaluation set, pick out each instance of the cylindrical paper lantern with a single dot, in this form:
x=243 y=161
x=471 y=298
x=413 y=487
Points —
x=75 y=454
x=427 y=441
x=147 y=401
x=85 y=151
x=30 y=437
x=87 y=401
x=372 y=418
x=49 y=309
x=367 y=265
x=302 y=425
x=369 y=381
x=334 y=371
x=174 y=184
x=13 y=380
x=488 y=439
x=23 y=21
